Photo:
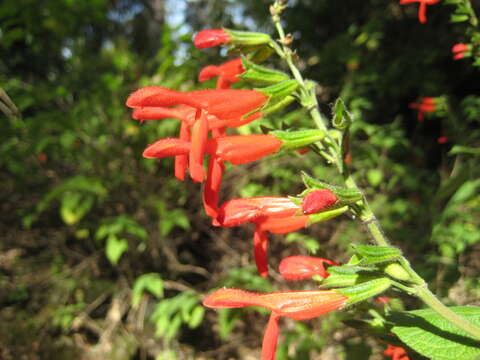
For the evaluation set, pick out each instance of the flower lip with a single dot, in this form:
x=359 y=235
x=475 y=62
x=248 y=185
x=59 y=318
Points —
x=166 y=147
x=304 y=267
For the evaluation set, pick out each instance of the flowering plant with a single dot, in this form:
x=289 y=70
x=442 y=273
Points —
x=207 y=116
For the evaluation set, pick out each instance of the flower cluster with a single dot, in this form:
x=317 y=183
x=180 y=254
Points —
x=424 y=106
x=205 y=118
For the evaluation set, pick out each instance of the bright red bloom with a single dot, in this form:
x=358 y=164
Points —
x=425 y=105
x=443 y=139
x=216 y=102
x=460 y=51
x=269 y=214
x=235 y=212
x=227 y=73
x=382 y=300
x=318 y=200
x=242 y=149
x=422 y=9
x=201 y=110
x=298 y=305
x=396 y=352
x=304 y=267
x=211 y=37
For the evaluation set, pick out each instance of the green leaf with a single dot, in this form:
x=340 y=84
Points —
x=374 y=177
x=341 y=118
x=458 y=18
x=434 y=337
x=151 y=282
x=115 y=248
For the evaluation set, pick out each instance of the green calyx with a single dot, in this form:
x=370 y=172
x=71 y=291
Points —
x=279 y=90
x=345 y=195
x=247 y=37
x=397 y=272
x=326 y=215
x=369 y=255
x=261 y=75
x=298 y=139
x=365 y=290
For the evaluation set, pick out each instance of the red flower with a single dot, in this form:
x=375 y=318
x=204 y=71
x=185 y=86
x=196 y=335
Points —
x=396 y=352
x=235 y=212
x=269 y=214
x=196 y=108
x=318 y=200
x=304 y=267
x=422 y=9
x=239 y=149
x=382 y=300
x=443 y=139
x=211 y=37
x=425 y=105
x=227 y=73
x=298 y=305
x=460 y=51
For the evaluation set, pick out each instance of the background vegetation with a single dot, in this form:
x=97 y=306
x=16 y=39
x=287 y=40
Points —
x=104 y=255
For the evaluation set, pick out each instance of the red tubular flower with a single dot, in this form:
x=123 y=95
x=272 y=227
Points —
x=460 y=51
x=227 y=73
x=166 y=147
x=181 y=161
x=196 y=108
x=443 y=140
x=422 y=9
x=269 y=214
x=396 y=352
x=282 y=225
x=382 y=300
x=217 y=102
x=239 y=211
x=425 y=105
x=243 y=149
x=318 y=200
x=212 y=187
x=304 y=267
x=298 y=305
x=211 y=37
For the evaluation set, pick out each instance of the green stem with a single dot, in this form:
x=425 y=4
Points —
x=431 y=300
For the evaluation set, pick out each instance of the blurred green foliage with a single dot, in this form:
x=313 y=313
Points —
x=104 y=254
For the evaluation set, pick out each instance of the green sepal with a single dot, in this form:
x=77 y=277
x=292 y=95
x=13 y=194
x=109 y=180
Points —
x=365 y=290
x=261 y=75
x=346 y=195
x=341 y=118
x=326 y=215
x=376 y=254
x=345 y=280
x=397 y=272
x=281 y=89
x=298 y=139
x=261 y=54
x=276 y=105
x=350 y=269
x=247 y=37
